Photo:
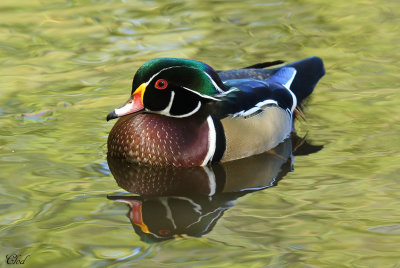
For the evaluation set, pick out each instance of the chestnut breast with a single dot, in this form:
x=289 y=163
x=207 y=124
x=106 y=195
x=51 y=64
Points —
x=155 y=139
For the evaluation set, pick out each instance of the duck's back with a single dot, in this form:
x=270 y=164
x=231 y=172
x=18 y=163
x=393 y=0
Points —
x=308 y=73
x=254 y=131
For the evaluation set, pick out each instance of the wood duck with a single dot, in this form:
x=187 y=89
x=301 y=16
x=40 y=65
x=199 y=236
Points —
x=189 y=201
x=261 y=171
x=184 y=113
x=170 y=201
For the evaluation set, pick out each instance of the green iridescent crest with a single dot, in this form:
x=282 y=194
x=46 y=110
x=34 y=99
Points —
x=195 y=75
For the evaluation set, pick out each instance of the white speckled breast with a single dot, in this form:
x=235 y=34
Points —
x=155 y=139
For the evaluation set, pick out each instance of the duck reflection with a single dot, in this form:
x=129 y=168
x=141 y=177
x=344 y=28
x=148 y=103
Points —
x=189 y=201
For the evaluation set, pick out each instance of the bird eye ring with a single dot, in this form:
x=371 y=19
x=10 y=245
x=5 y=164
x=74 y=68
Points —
x=161 y=84
x=164 y=232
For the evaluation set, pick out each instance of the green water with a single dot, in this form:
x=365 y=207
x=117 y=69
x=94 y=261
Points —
x=76 y=59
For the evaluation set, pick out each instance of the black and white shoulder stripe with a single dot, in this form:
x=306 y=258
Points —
x=249 y=97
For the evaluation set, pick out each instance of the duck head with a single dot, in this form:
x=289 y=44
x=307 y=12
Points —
x=171 y=87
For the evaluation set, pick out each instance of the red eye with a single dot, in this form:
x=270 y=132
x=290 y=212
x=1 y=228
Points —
x=161 y=84
x=164 y=232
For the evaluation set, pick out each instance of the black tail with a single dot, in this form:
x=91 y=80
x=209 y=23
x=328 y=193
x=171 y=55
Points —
x=309 y=71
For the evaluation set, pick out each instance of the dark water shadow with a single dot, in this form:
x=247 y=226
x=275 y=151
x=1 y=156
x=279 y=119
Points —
x=189 y=201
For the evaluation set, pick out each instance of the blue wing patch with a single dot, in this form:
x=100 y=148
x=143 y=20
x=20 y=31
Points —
x=284 y=76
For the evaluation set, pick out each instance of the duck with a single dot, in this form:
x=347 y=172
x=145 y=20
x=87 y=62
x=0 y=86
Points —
x=172 y=201
x=183 y=113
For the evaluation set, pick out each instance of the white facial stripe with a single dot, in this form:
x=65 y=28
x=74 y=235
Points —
x=212 y=138
x=209 y=77
x=168 y=108
x=188 y=114
x=199 y=94
x=213 y=82
x=151 y=78
x=166 y=111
